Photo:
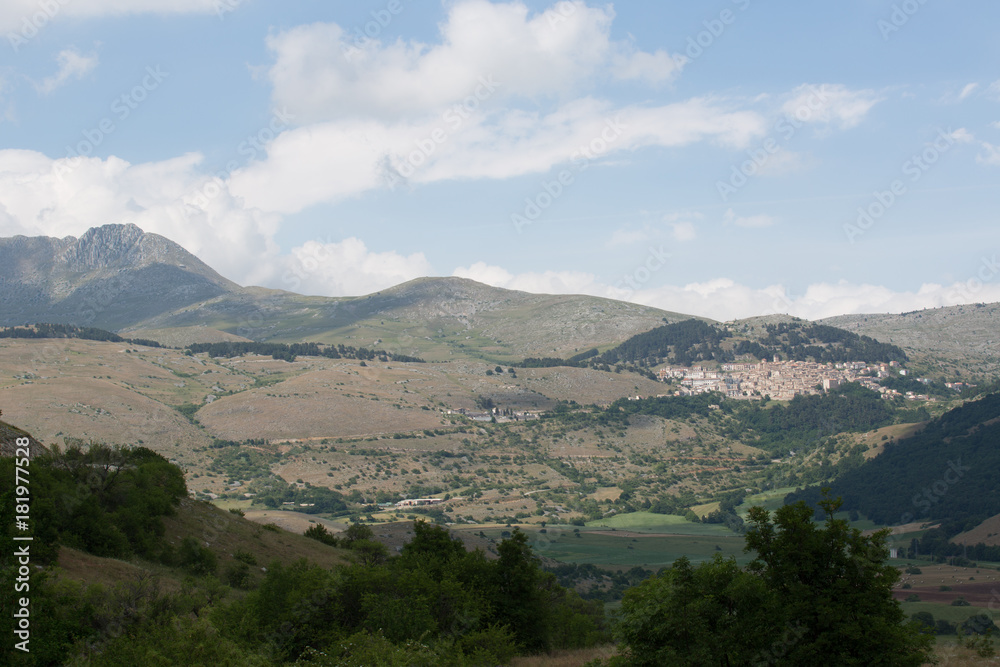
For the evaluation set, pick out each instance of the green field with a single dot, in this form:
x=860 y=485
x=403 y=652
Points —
x=669 y=524
x=769 y=500
x=943 y=611
x=617 y=551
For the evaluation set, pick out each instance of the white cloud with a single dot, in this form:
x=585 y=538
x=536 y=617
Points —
x=328 y=162
x=502 y=94
x=683 y=231
x=348 y=268
x=961 y=136
x=42 y=196
x=548 y=282
x=785 y=162
x=752 y=221
x=722 y=299
x=830 y=104
x=65 y=197
x=323 y=71
x=994 y=90
x=968 y=90
x=622 y=237
x=25 y=17
x=656 y=67
x=990 y=155
x=72 y=65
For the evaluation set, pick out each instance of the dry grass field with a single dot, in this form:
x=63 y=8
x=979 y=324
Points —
x=988 y=532
x=566 y=658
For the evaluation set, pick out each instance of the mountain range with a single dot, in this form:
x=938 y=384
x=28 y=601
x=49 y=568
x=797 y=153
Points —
x=143 y=285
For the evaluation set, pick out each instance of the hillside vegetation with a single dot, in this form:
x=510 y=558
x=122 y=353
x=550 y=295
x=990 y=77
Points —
x=945 y=473
x=434 y=604
x=694 y=341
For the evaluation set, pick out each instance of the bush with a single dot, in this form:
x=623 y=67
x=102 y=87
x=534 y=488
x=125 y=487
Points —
x=812 y=590
x=238 y=575
x=245 y=557
x=196 y=559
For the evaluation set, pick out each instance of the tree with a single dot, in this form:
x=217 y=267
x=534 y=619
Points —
x=715 y=614
x=815 y=594
x=835 y=583
x=520 y=592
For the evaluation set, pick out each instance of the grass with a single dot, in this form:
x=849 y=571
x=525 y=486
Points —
x=769 y=500
x=566 y=658
x=613 y=550
x=942 y=611
x=222 y=532
x=670 y=524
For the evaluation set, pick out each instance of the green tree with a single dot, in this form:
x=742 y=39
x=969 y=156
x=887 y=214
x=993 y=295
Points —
x=835 y=583
x=521 y=591
x=715 y=614
x=815 y=594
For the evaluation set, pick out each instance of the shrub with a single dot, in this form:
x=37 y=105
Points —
x=196 y=559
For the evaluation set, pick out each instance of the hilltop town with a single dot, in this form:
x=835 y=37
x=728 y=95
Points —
x=784 y=380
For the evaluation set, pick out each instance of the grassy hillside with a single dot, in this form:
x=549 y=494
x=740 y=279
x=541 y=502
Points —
x=437 y=319
x=943 y=342
x=944 y=472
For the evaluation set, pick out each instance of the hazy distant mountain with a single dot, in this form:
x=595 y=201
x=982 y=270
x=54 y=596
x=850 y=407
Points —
x=958 y=340
x=110 y=277
x=119 y=278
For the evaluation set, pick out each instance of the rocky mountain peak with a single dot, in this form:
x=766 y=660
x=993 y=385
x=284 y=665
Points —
x=115 y=246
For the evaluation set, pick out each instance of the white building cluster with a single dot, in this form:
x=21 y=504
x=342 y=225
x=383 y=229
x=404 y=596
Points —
x=781 y=380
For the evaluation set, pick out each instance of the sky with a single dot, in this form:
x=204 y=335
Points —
x=724 y=159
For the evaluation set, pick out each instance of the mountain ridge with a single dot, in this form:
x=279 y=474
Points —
x=120 y=278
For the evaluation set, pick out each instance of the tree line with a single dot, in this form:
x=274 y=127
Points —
x=693 y=341
x=947 y=471
x=46 y=330
x=290 y=351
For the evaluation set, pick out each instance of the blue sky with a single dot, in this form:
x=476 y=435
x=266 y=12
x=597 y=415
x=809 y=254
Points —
x=725 y=158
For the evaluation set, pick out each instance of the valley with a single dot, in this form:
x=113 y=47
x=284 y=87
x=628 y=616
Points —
x=613 y=438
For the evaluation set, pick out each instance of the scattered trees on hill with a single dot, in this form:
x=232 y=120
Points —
x=947 y=472
x=692 y=341
x=107 y=501
x=805 y=419
x=289 y=352
x=45 y=330
x=434 y=597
